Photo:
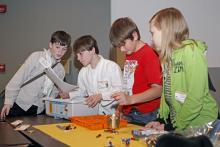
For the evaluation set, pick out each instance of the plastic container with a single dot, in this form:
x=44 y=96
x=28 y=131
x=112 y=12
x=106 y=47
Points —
x=96 y=122
x=66 y=108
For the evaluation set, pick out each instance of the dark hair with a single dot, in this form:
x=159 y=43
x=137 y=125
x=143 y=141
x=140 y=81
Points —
x=201 y=141
x=61 y=37
x=174 y=139
x=83 y=43
x=122 y=29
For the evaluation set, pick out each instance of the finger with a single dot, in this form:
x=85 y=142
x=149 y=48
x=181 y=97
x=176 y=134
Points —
x=116 y=97
x=7 y=111
x=144 y=128
x=88 y=100
x=121 y=102
x=93 y=104
x=65 y=97
x=155 y=124
x=149 y=125
x=3 y=113
x=117 y=94
x=160 y=127
x=88 y=103
x=59 y=90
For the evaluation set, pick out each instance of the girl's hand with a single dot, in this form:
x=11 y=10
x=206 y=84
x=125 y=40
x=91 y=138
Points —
x=154 y=125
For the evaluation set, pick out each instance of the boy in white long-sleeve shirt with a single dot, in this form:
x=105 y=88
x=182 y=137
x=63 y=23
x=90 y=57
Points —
x=27 y=100
x=99 y=77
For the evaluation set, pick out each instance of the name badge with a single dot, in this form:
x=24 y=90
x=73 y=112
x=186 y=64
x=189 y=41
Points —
x=102 y=84
x=180 y=96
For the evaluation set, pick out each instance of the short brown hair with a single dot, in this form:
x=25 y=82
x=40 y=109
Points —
x=122 y=29
x=83 y=43
x=61 y=37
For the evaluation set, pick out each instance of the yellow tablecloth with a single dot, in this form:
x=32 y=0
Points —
x=83 y=137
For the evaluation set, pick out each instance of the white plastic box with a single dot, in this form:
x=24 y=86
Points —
x=66 y=108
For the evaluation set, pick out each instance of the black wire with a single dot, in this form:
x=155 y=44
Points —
x=108 y=103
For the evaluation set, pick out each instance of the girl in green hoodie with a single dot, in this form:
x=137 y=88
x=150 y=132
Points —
x=186 y=100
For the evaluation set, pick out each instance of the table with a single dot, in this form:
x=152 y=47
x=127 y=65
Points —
x=79 y=137
x=10 y=137
x=83 y=137
x=39 y=138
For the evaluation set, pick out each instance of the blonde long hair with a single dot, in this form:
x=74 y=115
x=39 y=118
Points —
x=174 y=30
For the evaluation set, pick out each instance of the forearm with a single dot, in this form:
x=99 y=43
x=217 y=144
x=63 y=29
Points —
x=148 y=95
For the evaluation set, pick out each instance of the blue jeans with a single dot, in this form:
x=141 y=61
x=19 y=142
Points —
x=138 y=117
x=216 y=128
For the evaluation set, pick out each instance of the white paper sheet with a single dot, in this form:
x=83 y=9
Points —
x=60 y=83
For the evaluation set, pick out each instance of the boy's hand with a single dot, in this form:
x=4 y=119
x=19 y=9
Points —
x=64 y=95
x=122 y=98
x=5 y=110
x=93 y=100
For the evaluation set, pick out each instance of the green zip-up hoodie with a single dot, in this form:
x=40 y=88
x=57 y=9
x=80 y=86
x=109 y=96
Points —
x=190 y=96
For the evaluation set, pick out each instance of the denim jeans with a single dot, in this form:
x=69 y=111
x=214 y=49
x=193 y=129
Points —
x=216 y=129
x=138 y=117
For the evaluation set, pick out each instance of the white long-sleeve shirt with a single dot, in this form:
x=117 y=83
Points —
x=104 y=79
x=31 y=93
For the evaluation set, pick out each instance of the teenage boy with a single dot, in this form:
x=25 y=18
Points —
x=99 y=77
x=142 y=73
x=27 y=100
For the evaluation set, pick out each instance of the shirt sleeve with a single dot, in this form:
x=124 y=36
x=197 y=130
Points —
x=82 y=89
x=152 y=68
x=61 y=74
x=14 y=85
x=115 y=76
